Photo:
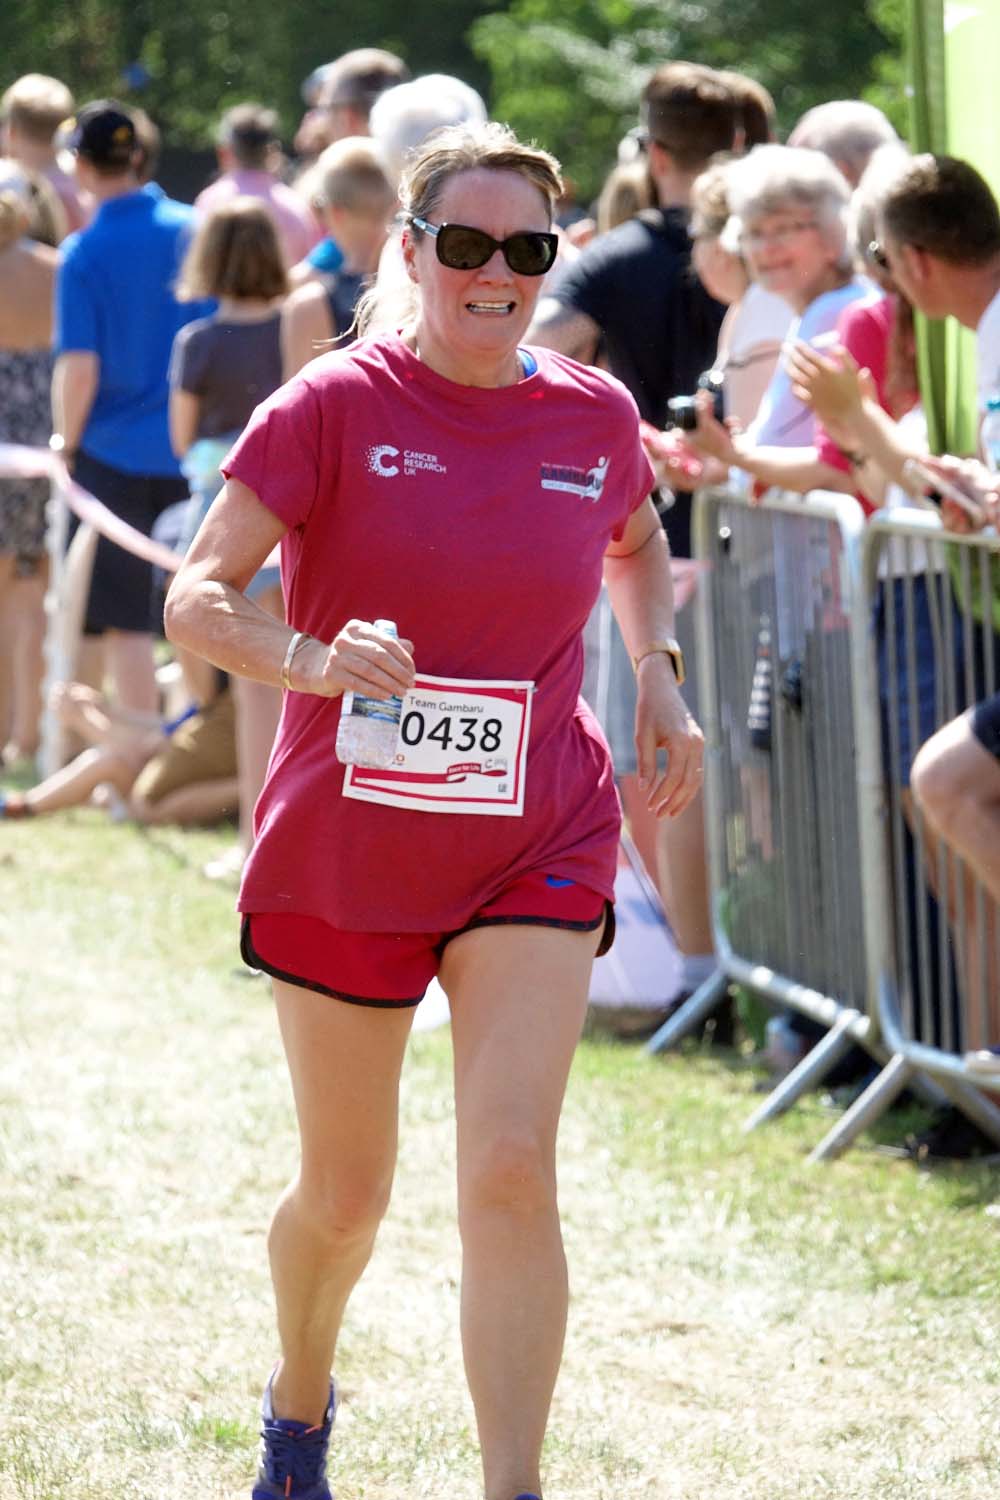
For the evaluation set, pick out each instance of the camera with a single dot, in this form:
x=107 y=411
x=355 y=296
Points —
x=683 y=412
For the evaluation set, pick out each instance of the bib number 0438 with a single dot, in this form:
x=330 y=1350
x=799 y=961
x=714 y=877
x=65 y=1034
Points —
x=462 y=735
x=462 y=747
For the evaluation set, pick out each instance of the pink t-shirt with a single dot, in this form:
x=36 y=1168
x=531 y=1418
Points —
x=297 y=228
x=864 y=329
x=473 y=518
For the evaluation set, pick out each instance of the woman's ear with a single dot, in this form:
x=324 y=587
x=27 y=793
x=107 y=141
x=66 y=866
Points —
x=409 y=256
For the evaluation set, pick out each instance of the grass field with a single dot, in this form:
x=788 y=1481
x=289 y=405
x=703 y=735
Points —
x=744 y=1327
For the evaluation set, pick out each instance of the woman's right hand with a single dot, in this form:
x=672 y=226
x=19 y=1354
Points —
x=360 y=660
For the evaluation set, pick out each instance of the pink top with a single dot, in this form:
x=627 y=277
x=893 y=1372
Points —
x=297 y=228
x=69 y=195
x=477 y=519
x=864 y=330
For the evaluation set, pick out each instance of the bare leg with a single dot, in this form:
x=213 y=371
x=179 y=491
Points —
x=642 y=824
x=518 y=998
x=27 y=607
x=129 y=661
x=201 y=802
x=345 y=1062
x=956 y=783
x=200 y=677
x=72 y=786
x=6 y=647
x=684 y=878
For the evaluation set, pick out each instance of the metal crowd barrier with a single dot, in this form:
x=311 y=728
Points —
x=808 y=871
x=933 y=938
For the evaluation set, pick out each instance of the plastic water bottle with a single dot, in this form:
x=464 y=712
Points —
x=369 y=727
x=989 y=434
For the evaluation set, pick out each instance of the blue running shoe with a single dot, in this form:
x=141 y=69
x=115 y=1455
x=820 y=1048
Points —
x=292 y=1455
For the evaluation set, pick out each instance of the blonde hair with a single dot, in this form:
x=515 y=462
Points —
x=235 y=253
x=350 y=174
x=710 y=201
x=626 y=192
x=28 y=206
x=461 y=148
x=36 y=106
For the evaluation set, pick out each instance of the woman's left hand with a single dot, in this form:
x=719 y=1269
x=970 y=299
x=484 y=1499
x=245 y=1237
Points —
x=662 y=722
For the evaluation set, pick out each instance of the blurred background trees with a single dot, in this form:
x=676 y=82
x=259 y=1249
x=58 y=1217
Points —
x=565 y=72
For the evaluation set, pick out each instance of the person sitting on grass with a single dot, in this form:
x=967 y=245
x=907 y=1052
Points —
x=183 y=771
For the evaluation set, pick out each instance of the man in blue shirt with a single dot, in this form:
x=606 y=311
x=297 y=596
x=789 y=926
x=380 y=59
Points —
x=116 y=316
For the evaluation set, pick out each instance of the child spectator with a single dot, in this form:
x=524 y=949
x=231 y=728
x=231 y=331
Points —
x=32 y=110
x=221 y=368
x=355 y=201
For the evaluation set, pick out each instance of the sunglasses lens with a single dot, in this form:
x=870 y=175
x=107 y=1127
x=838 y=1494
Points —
x=530 y=254
x=463 y=249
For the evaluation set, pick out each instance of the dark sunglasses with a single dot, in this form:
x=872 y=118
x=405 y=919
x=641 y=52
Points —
x=461 y=248
x=878 y=256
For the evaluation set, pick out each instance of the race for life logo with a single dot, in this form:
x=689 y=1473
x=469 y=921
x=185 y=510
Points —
x=587 y=483
x=411 y=462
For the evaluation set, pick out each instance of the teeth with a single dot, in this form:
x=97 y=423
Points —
x=490 y=307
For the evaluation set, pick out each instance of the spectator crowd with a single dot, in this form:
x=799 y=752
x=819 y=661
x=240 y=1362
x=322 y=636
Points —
x=757 y=299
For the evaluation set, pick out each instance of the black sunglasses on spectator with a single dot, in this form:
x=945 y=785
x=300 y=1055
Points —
x=529 y=252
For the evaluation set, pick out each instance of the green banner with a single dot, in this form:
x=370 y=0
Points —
x=954 y=48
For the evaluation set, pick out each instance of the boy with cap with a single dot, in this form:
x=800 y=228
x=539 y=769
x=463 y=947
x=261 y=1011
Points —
x=116 y=316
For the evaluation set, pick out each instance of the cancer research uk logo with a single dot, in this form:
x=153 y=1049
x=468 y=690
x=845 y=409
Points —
x=587 y=483
x=381 y=456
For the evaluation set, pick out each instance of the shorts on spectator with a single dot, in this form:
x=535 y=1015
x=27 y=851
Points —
x=202 y=748
x=985 y=721
x=121 y=588
x=392 y=970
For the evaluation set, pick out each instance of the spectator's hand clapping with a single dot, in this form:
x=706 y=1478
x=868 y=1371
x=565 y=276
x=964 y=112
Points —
x=830 y=383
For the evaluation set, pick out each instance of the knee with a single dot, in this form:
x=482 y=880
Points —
x=936 y=785
x=342 y=1212
x=512 y=1173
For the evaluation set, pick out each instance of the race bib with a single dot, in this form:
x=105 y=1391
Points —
x=462 y=747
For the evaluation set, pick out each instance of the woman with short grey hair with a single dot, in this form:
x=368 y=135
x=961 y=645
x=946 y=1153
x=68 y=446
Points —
x=792 y=206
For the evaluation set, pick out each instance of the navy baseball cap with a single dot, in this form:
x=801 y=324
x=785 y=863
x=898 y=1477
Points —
x=104 y=133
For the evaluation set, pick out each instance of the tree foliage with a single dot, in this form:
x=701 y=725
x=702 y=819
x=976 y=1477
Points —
x=565 y=72
x=202 y=56
x=569 y=72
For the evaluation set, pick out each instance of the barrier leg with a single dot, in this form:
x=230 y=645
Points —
x=810 y=1071
x=975 y=1105
x=695 y=1010
x=866 y=1109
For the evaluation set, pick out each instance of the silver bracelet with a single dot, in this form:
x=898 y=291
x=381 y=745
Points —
x=298 y=639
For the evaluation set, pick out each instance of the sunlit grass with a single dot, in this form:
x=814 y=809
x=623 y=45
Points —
x=744 y=1326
